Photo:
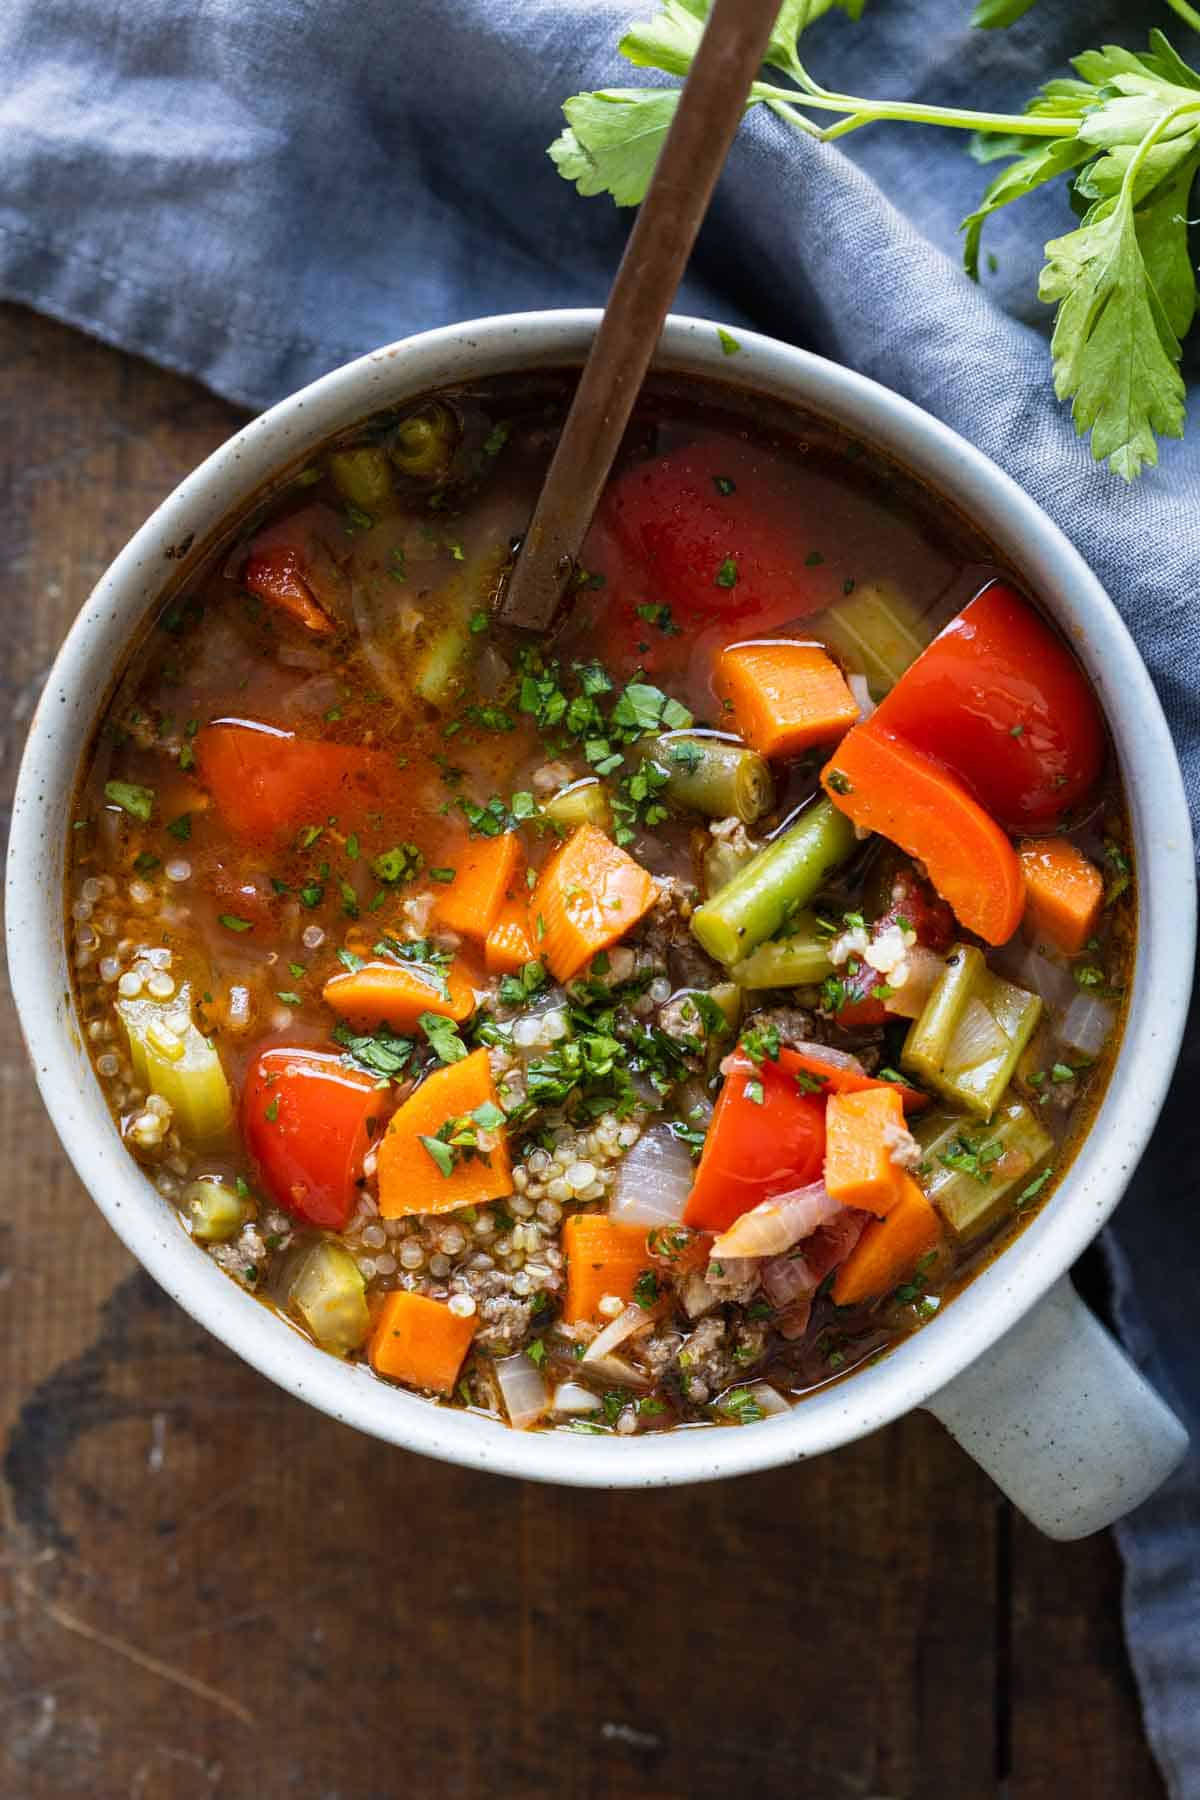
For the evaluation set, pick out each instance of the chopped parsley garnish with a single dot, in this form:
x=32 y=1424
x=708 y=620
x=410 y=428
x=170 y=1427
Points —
x=443 y=1037
x=841 y=784
x=181 y=827
x=311 y=894
x=724 y=484
x=972 y=1157
x=655 y=613
x=754 y=1092
x=403 y=862
x=1034 y=1189
x=645 y=1289
x=740 y=1406
x=145 y=863
x=515 y=990
x=727 y=341
x=138 y=802
x=231 y=922
x=727 y=575
x=761 y=1044
x=383 y=1053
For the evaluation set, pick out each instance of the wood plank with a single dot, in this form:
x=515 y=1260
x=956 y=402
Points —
x=207 y=1588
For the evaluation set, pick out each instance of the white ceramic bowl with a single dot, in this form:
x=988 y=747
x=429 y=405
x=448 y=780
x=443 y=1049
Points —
x=1054 y=1411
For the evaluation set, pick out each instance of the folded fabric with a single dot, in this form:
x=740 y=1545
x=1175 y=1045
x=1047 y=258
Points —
x=255 y=193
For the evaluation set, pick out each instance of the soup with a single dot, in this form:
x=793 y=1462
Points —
x=636 y=1028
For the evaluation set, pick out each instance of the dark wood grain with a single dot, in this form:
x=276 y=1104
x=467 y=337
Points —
x=207 y=1589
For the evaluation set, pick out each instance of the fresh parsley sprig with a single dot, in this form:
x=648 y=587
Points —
x=1125 y=131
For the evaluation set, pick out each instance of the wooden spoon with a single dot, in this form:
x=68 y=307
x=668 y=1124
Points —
x=710 y=109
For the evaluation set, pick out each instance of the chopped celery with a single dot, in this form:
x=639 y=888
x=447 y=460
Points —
x=781 y=877
x=583 y=803
x=877 y=629
x=173 y=1058
x=968 y=1040
x=799 y=960
x=214 y=1210
x=970 y=1174
x=728 y=996
x=714 y=775
x=438 y=673
x=362 y=476
x=929 y=1037
x=329 y=1294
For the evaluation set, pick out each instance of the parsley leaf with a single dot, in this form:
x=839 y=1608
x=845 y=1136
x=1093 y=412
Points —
x=443 y=1037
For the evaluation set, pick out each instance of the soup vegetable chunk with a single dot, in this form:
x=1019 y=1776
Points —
x=635 y=1028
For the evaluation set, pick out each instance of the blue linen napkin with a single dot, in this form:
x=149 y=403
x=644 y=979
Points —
x=255 y=193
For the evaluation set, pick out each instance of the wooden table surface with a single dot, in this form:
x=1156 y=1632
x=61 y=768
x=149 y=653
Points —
x=207 y=1589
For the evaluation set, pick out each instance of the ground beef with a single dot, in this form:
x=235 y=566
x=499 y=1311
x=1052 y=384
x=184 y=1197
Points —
x=705 y=1361
x=505 y=1324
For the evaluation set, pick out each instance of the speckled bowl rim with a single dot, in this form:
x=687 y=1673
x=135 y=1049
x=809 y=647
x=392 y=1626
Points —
x=77 y=688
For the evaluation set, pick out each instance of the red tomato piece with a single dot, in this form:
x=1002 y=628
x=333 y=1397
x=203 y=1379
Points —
x=755 y=1149
x=711 y=530
x=999 y=699
x=308 y=1121
x=802 y=1064
x=267 y=783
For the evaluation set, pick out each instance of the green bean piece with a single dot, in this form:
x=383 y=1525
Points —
x=214 y=1210
x=363 y=476
x=929 y=1036
x=329 y=1294
x=782 y=876
x=801 y=959
x=582 y=803
x=714 y=775
x=877 y=629
x=425 y=442
x=970 y=1174
x=967 y=1042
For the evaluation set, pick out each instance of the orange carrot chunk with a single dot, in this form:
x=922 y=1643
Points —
x=786 y=696
x=889 y=1249
x=484 y=875
x=860 y=1132
x=509 y=945
x=1063 y=892
x=884 y=785
x=588 y=895
x=420 y=1342
x=396 y=994
x=427 y=1160
x=602 y=1258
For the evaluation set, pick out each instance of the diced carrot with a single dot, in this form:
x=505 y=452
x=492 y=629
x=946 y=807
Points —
x=509 y=945
x=410 y=1180
x=588 y=895
x=884 y=785
x=786 y=696
x=484 y=875
x=889 y=1249
x=396 y=994
x=860 y=1132
x=276 y=575
x=834 y=1080
x=420 y=1342
x=602 y=1258
x=1063 y=892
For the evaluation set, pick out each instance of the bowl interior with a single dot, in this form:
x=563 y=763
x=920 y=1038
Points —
x=178 y=534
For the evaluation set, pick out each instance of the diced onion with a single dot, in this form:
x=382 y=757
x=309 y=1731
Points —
x=573 y=1397
x=785 y=1278
x=775 y=1225
x=1052 y=979
x=617 y=1372
x=523 y=1388
x=836 y=1059
x=768 y=1399
x=653 y=1180
x=614 y=1335
x=1087 y=1025
x=924 y=967
x=696 y=1297
x=977 y=1038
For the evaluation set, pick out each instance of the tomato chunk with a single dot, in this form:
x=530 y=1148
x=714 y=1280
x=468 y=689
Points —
x=756 y=1147
x=308 y=1121
x=267 y=783
x=999 y=699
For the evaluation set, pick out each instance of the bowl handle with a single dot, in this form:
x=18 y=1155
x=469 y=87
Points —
x=1059 y=1417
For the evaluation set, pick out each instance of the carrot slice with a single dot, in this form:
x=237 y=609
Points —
x=420 y=1342
x=786 y=696
x=860 y=1131
x=602 y=1258
x=884 y=785
x=889 y=1249
x=588 y=895
x=471 y=903
x=267 y=783
x=410 y=1178
x=396 y=994
x=509 y=945
x=1063 y=892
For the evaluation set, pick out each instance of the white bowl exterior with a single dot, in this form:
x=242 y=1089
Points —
x=80 y=682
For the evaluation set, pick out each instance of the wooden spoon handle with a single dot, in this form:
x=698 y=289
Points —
x=710 y=109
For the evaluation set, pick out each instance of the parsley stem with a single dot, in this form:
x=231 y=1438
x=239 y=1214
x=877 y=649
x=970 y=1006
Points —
x=1187 y=13
x=866 y=112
